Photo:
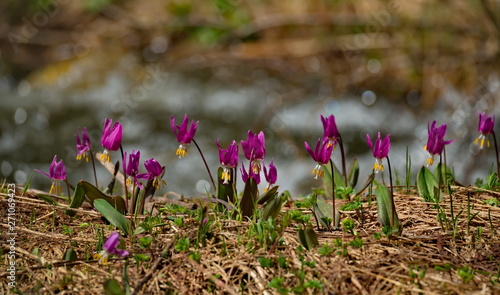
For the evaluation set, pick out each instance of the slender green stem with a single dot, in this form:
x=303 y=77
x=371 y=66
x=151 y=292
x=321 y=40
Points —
x=496 y=152
x=124 y=180
x=206 y=165
x=393 y=205
x=334 y=217
x=440 y=178
x=344 y=172
x=93 y=167
x=67 y=186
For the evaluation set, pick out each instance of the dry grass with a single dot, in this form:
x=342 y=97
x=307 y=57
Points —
x=424 y=260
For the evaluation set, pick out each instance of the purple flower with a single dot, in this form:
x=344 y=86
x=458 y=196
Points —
x=155 y=170
x=321 y=155
x=245 y=176
x=110 y=248
x=271 y=174
x=380 y=150
x=131 y=166
x=254 y=149
x=330 y=130
x=183 y=134
x=111 y=138
x=228 y=159
x=83 y=145
x=485 y=127
x=435 y=142
x=57 y=172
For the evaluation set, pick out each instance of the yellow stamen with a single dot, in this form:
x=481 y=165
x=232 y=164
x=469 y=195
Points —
x=129 y=181
x=81 y=156
x=181 y=151
x=105 y=157
x=318 y=172
x=102 y=257
x=55 y=188
x=158 y=183
x=378 y=167
x=226 y=176
x=481 y=140
x=256 y=167
x=429 y=161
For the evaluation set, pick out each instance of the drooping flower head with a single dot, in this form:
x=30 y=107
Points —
x=254 y=149
x=330 y=130
x=131 y=166
x=155 y=170
x=110 y=248
x=435 y=142
x=271 y=174
x=57 y=172
x=228 y=159
x=183 y=134
x=111 y=138
x=321 y=155
x=251 y=174
x=380 y=150
x=485 y=127
x=83 y=145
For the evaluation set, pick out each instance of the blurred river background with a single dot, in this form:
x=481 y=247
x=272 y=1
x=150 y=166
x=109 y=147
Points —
x=377 y=66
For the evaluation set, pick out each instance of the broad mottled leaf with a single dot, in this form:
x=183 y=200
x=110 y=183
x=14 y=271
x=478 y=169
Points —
x=268 y=195
x=353 y=174
x=77 y=199
x=69 y=255
x=225 y=192
x=47 y=199
x=385 y=210
x=112 y=287
x=94 y=194
x=273 y=206
x=426 y=184
x=114 y=217
x=249 y=198
x=307 y=237
x=327 y=180
x=447 y=176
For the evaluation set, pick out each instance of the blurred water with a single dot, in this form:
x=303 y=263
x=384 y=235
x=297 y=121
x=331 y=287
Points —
x=39 y=121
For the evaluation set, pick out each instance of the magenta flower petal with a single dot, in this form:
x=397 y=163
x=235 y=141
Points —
x=330 y=130
x=486 y=123
x=271 y=174
x=254 y=148
x=111 y=138
x=82 y=145
x=111 y=243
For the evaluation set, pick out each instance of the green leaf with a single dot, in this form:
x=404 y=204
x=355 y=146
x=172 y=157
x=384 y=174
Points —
x=353 y=174
x=69 y=255
x=47 y=199
x=94 y=194
x=77 y=199
x=28 y=183
x=112 y=215
x=249 y=198
x=268 y=195
x=385 y=210
x=327 y=179
x=112 y=287
x=273 y=206
x=447 y=176
x=307 y=237
x=225 y=192
x=426 y=184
